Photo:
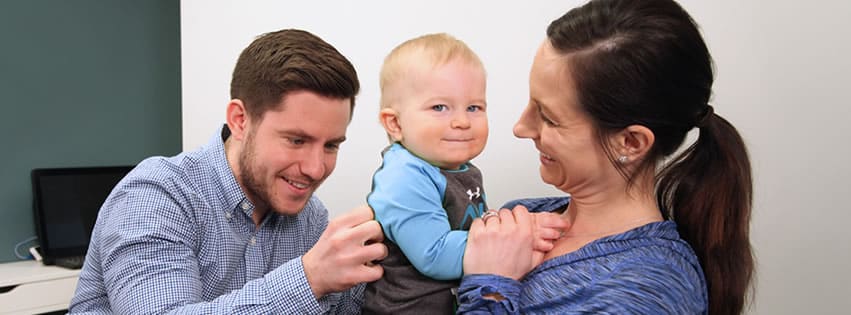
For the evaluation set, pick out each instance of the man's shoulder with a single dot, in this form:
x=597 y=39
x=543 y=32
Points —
x=183 y=180
x=183 y=167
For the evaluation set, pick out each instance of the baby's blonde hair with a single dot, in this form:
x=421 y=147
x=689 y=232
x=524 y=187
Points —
x=422 y=53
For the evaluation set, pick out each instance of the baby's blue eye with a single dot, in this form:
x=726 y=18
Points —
x=439 y=107
x=474 y=108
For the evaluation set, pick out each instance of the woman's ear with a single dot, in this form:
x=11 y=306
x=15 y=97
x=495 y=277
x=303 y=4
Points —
x=237 y=119
x=389 y=118
x=632 y=143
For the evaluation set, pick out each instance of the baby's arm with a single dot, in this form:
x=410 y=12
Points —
x=407 y=201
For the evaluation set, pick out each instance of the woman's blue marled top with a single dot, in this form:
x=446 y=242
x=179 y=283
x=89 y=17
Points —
x=647 y=270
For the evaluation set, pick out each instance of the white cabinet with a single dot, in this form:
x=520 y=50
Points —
x=28 y=287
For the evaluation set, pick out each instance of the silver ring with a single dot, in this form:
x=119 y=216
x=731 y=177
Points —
x=489 y=214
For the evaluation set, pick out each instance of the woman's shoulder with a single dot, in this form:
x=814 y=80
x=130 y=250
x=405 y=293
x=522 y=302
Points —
x=656 y=243
x=650 y=263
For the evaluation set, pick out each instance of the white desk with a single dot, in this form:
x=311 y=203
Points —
x=28 y=287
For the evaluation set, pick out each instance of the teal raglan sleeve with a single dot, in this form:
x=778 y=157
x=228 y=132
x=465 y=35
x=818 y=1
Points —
x=407 y=197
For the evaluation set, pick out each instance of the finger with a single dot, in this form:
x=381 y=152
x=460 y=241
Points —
x=548 y=233
x=369 y=273
x=365 y=232
x=476 y=228
x=487 y=215
x=371 y=254
x=354 y=217
x=537 y=258
x=522 y=216
x=543 y=245
x=506 y=218
x=375 y=251
x=550 y=220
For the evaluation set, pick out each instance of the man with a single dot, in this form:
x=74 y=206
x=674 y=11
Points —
x=233 y=227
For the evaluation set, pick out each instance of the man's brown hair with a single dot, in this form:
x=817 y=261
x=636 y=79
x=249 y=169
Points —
x=290 y=60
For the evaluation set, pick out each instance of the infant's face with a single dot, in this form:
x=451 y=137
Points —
x=443 y=116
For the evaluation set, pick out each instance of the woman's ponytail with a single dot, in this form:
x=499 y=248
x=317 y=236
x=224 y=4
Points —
x=707 y=190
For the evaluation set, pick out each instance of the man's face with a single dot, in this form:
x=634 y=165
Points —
x=292 y=149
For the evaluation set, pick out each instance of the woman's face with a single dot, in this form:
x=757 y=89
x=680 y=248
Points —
x=570 y=155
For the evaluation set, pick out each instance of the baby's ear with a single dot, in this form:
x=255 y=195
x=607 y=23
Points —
x=389 y=118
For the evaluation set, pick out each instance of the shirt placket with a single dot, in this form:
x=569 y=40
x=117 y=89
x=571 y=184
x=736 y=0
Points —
x=255 y=267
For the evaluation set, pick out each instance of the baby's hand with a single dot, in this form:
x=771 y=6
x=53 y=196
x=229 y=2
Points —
x=548 y=227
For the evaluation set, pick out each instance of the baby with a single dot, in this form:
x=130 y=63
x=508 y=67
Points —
x=426 y=192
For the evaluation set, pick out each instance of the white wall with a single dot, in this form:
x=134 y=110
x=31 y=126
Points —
x=781 y=70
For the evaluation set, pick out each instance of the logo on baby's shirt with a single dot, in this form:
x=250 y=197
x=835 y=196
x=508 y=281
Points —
x=475 y=207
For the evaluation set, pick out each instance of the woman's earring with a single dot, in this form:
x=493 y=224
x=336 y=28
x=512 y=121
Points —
x=623 y=159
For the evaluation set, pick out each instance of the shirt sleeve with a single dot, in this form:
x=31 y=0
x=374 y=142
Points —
x=474 y=289
x=149 y=265
x=407 y=197
x=635 y=287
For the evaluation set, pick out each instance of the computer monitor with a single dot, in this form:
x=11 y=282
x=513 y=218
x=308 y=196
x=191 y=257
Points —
x=66 y=202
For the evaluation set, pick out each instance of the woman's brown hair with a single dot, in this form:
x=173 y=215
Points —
x=645 y=63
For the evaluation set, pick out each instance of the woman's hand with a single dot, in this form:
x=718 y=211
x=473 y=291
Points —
x=548 y=228
x=504 y=244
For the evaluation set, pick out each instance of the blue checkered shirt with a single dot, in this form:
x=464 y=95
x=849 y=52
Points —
x=176 y=235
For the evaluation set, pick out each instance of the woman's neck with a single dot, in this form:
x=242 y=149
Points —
x=604 y=213
x=612 y=215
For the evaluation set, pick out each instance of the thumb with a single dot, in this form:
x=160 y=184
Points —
x=537 y=258
x=355 y=217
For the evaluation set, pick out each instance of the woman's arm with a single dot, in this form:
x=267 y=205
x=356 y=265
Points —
x=499 y=252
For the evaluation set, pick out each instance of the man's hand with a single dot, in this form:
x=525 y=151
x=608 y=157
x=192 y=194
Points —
x=343 y=255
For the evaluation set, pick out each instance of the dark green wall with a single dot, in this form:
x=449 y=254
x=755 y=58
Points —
x=82 y=83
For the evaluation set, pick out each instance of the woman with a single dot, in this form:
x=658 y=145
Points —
x=614 y=89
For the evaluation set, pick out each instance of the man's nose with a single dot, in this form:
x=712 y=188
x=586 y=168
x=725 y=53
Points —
x=313 y=163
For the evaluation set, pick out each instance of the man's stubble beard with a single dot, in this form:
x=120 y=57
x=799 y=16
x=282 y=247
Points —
x=249 y=176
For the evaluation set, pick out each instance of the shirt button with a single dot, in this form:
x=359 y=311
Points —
x=253 y=241
x=227 y=215
x=245 y=206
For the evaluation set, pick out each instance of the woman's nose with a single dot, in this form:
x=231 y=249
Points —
x=524 y=128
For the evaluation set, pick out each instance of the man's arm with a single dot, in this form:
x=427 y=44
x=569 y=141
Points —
x=147 y=244
x=149 y=264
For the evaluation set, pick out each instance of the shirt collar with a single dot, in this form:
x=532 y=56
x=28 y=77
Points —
x=230 y=192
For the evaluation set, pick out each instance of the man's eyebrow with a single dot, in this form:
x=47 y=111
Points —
x=295 y=133
x=301 y=134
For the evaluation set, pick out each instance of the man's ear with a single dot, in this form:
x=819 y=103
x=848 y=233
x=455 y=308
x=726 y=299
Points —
x=633 y=143
x=237 y=119
x=389 y=118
